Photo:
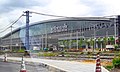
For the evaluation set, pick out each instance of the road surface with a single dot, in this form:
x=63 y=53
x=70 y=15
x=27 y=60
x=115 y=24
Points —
x=15 y=67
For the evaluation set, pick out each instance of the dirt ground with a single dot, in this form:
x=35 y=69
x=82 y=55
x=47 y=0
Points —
x=115 y=70
x=103 y=63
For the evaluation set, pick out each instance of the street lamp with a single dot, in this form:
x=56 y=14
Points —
x=77 y=39
x=46 y=36
x=11 y=38
x=70 y=41
x=94 y=35
x=42 y=42
x=115 y=30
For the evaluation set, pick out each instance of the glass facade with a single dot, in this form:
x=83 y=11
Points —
x=62 y=26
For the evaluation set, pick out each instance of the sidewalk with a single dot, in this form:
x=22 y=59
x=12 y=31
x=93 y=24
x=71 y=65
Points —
x=68 y=66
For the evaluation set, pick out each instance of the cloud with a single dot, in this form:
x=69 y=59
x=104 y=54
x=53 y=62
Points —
x=68 y=7
x=9 y=5
x=97 y=8
x=10 y=10
x=112 y=7
x=103 y=7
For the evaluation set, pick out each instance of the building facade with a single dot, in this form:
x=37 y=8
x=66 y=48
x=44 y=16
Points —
x=76 y=32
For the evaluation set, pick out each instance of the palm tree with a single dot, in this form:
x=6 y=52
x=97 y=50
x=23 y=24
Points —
x=80 y=43
x=99 y=42
x=60 y=42
x=112 y=39
x=73 y=42
x=91 y=42
x=105 y=41
x=88 y=42
x=66 y=43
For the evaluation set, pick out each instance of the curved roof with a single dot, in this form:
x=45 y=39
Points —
x=72 y=18
x=62 y=19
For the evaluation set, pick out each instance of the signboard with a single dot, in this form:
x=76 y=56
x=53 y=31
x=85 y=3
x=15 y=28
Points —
x=110 y=46
x=36 y=48
x=59 y=28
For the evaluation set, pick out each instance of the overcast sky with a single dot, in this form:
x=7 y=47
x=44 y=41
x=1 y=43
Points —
x=10 y=10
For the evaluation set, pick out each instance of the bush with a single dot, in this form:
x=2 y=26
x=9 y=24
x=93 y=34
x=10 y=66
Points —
x=48 y=54
x=89 y=53
x=50 y=49
x=62 y=52
x=21 y=51
x=116 y=62
x=81 y=52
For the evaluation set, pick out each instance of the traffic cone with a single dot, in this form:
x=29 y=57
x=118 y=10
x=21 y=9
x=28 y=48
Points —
x=5 y=57
x=23 y=69
x=98 y=65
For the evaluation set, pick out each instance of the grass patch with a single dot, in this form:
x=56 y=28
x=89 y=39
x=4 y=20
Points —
x=47 y=54
x=109 y=68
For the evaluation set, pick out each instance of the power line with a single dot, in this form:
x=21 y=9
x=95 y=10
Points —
x=16 y=20
x=49 y=14
x=6 y=26
x=12 y=23
x=4 y=30
x=63 y=16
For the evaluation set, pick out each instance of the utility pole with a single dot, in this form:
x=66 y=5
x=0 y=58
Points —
x=118 y=23
x=27 y=31
x=27 y=34
x=1 y=42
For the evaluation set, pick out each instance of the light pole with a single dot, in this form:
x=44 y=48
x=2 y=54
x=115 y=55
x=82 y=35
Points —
x=70 y=40
x=1 y=42
x=46 y=36
x=20 y=44
x=94 y=37
x=115 y=29
x=107 y=35
x=11 y=38
x=42 y=42
x=77 y=39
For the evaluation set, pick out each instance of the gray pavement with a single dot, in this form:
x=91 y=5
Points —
x=15 y=67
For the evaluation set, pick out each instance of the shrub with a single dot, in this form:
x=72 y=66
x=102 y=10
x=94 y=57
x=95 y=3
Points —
x=62 y=52
x=109 y=67
x=81 y=52
x=21 y=51
x=116 y=62
x=89 y=53
x=47 y=54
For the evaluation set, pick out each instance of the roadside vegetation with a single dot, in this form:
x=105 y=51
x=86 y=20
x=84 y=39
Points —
x=114 y=65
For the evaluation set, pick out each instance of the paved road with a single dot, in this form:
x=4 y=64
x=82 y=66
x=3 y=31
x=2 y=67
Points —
x=68 y=66
x=15 y=67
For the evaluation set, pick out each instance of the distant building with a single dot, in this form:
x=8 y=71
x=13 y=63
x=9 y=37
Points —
x=76 y=32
